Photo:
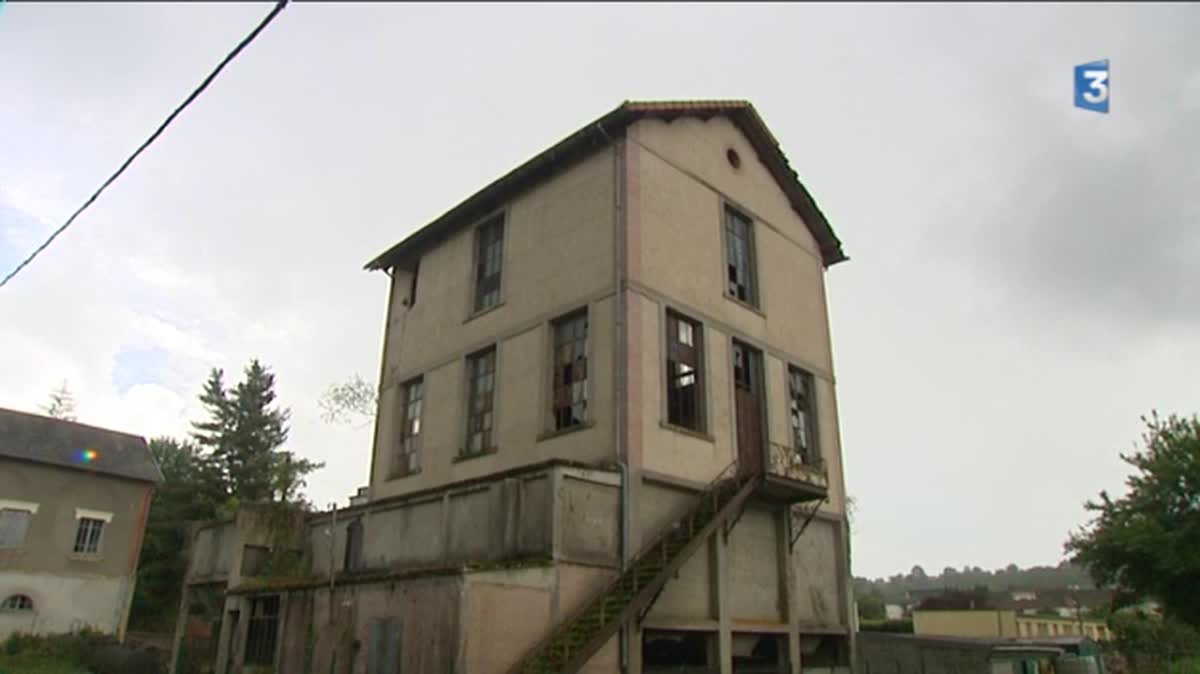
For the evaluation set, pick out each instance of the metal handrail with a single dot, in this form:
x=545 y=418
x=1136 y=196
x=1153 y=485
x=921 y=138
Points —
x=726 y=473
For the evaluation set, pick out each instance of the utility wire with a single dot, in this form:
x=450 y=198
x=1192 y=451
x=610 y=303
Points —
x=154 y=136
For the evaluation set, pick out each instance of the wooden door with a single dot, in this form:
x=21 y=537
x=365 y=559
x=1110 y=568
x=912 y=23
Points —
x=747 y=390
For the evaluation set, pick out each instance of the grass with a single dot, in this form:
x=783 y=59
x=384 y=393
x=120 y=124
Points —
x=35 y=663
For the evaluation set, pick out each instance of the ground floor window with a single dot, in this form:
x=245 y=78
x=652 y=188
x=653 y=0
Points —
x=17 y=602
x=679 y=652
x=261 y=631
x=760 y=654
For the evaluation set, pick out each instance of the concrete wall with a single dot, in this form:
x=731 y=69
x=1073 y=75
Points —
x=881 y=653
x=63 y=603
x=558 y=258
x=212 y=552
x=817 y=558
x=66 y=588
x=489 y=522
x=966 y=623
x=507 y=612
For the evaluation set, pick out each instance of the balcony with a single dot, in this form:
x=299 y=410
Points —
x=793 y=476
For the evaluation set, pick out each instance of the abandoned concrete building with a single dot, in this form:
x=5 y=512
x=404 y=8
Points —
x=607 y=434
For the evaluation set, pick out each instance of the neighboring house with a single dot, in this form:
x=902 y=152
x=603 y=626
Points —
x=73 y=506
x=607 y=435
x=882 y=653
x=1004 y=623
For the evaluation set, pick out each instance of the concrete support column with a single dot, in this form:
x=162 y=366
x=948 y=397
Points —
x=724 y=616
x=787 y=572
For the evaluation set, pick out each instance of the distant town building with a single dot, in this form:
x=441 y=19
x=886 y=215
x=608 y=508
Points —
x=73 y=506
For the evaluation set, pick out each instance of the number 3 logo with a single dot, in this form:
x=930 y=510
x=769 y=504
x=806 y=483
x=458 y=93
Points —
x=1092 y=86
x=1098 y=83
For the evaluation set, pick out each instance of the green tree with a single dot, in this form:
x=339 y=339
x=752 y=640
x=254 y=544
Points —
x=871 y=605
x=244 y=434
x=192 y=490
x=62 y=404
x=1146 y=542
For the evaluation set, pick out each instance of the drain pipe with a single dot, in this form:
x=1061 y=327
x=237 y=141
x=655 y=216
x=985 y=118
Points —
x=620 y=354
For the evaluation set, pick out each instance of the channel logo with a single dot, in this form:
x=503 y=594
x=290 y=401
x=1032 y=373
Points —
x=1092 y=86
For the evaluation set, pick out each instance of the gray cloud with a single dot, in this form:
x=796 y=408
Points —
x=1014 y=300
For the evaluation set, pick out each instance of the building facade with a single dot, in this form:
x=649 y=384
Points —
x=607 y=436
x=73 y=506
x=1006 y=623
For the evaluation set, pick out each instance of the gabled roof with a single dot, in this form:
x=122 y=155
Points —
x=602 y=132
x=32 y=437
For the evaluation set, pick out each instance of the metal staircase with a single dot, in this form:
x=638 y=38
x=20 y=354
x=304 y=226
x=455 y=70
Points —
x=631 y=595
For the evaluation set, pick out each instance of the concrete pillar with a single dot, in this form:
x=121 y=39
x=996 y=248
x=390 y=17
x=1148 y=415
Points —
x=180 y=627
x=724 y=618
x=783 y=529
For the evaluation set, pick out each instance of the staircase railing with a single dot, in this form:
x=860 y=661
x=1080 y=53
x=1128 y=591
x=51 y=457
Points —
x=727 y=483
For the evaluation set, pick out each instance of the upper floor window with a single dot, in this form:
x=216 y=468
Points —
x=489 y=262
x=570 y=371
x=408 y=454
x=740 y=258
x=87 y=536
x=685 y=373
x=14 y=522
x=481 y=389
x=17 y=602
x=802 y=413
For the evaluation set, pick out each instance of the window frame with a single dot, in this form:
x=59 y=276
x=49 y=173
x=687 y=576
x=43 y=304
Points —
x=262 y=630
x=471 y=380
x=556 y=342
x=812 y=454
x=400 y=467
x=499 y=221
x=729 y=214
x=672 y=321
x=17 y=603
x=92 y=540
x=29 y=510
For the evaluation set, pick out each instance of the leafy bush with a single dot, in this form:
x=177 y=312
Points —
x=99 y=653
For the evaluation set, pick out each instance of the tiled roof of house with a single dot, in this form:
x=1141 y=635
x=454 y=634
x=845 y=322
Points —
x=603 y=132
x=32 y=437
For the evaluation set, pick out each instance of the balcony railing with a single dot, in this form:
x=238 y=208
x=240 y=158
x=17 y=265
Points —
x=796 y=465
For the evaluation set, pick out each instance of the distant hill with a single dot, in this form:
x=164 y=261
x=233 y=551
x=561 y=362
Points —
x=895 y=588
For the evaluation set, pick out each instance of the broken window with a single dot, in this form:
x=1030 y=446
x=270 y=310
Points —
x=759 y=654
x=678 y=651
x=408 y=454
x=17 y=602
x=685 y=373
x=254 y=559
x=570 y=371
x=87 y=536
x=802 y=414
x=262 y=630
x=739 y=257
x=481 y=387
x=14 y=524
x=489 y=260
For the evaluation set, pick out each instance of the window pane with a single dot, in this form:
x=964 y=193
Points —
x=14 y=524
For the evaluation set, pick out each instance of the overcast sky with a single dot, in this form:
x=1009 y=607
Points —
x=1023 y=279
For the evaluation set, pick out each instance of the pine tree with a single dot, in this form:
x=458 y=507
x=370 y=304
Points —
x=244 y=434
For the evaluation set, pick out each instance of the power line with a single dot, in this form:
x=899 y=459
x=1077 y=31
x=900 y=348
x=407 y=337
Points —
x=154 y=136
